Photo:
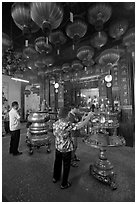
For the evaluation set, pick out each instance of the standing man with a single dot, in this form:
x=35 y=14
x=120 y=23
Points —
x=14 y=119
x=75 y=117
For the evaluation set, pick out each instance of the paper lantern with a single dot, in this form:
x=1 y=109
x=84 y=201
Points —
x=76 y=30
x=99 y=39
x=117 y=29
x=99 y=14
x=47 y=15
x=20 y=13
x=42 y=46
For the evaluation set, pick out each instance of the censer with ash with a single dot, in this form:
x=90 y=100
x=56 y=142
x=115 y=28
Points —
x=103 y=134
x=38 y=130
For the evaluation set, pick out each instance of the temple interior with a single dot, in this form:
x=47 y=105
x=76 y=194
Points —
x=79 y=55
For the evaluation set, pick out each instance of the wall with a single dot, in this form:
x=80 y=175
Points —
x=12 y=89
x=31 y=101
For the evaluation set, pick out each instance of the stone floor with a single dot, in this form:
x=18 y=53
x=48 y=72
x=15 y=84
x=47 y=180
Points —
x=28 y=178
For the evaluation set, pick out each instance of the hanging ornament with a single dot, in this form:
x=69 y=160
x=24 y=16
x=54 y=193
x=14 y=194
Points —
x=44 y=61
x=129 y=5
x=117 y=29
x=129 y=38
x=47 y=15
x=35 y=90
x=20 y=13
x=120 y=48
x=85 y=53
x=66 y=67
x=29 y=51
x=42 y=45
x=99 y=39
x=76 y=30
x=76 y=65
x=57 y=38
x=6 y=42
x=89 y=62
x=129 y=42
x=27 y=92
x=41 y=73
x=109 y=57
x=18 y=74
x=99 y=14
x=56 y=70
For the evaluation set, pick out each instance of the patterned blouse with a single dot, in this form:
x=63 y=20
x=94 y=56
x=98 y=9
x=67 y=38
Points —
x=63 y=139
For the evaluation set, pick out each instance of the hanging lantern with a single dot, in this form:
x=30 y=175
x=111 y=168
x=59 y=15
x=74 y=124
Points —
x=120 y=49
x=66 y=77
x=76 y=30
x=31 y=76
x=99 y=39
x=27 y=92
x=129 y=38
x=44 y=61
x=76 y=76
x=109 y=57
x=21 y=15
x=41 y=73
x=33 y=79
x=129 y=5
x=88 y=62
x=6 y=42
x=117 y=29
x=85 y=53
x=18 y=74
x=56 y=70
x=66 y=67
x=47 y=15
x=42 y=45
x=57 y=38
x=30 y=64
x=99 y=14
x=29 y=52
x=76 y=65
x=34 y=90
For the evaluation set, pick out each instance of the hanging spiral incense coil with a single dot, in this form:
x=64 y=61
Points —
x=42 y=46
x=117 y=29
x=109 y=57
x=21 y=15
x=99 y=14
x=47 y=15
x=99 y=39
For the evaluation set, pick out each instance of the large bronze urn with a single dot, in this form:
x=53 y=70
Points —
x=38 y=131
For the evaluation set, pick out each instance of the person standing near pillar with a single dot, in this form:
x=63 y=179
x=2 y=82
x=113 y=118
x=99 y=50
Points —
x=14 y=119
x=75 y=117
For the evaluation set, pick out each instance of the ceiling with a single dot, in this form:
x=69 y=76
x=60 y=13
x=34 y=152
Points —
x=79 y=9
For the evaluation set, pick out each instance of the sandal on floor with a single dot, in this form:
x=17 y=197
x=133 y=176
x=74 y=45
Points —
x=74 y=164
x=66 y=186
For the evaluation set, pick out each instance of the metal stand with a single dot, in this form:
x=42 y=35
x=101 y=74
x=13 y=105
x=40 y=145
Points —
x=37 y=144
x=103 y=170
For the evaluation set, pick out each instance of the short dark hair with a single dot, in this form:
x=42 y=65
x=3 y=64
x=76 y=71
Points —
x=63 y=112
x=15 y=103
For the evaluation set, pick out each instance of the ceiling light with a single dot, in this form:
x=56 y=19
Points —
x=21 y=80
x=108 y=78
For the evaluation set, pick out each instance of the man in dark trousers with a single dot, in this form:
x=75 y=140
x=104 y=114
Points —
x=14 y=119
x=75 y=117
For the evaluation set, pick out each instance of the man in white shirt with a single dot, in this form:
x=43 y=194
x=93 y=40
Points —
x=14 y=119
